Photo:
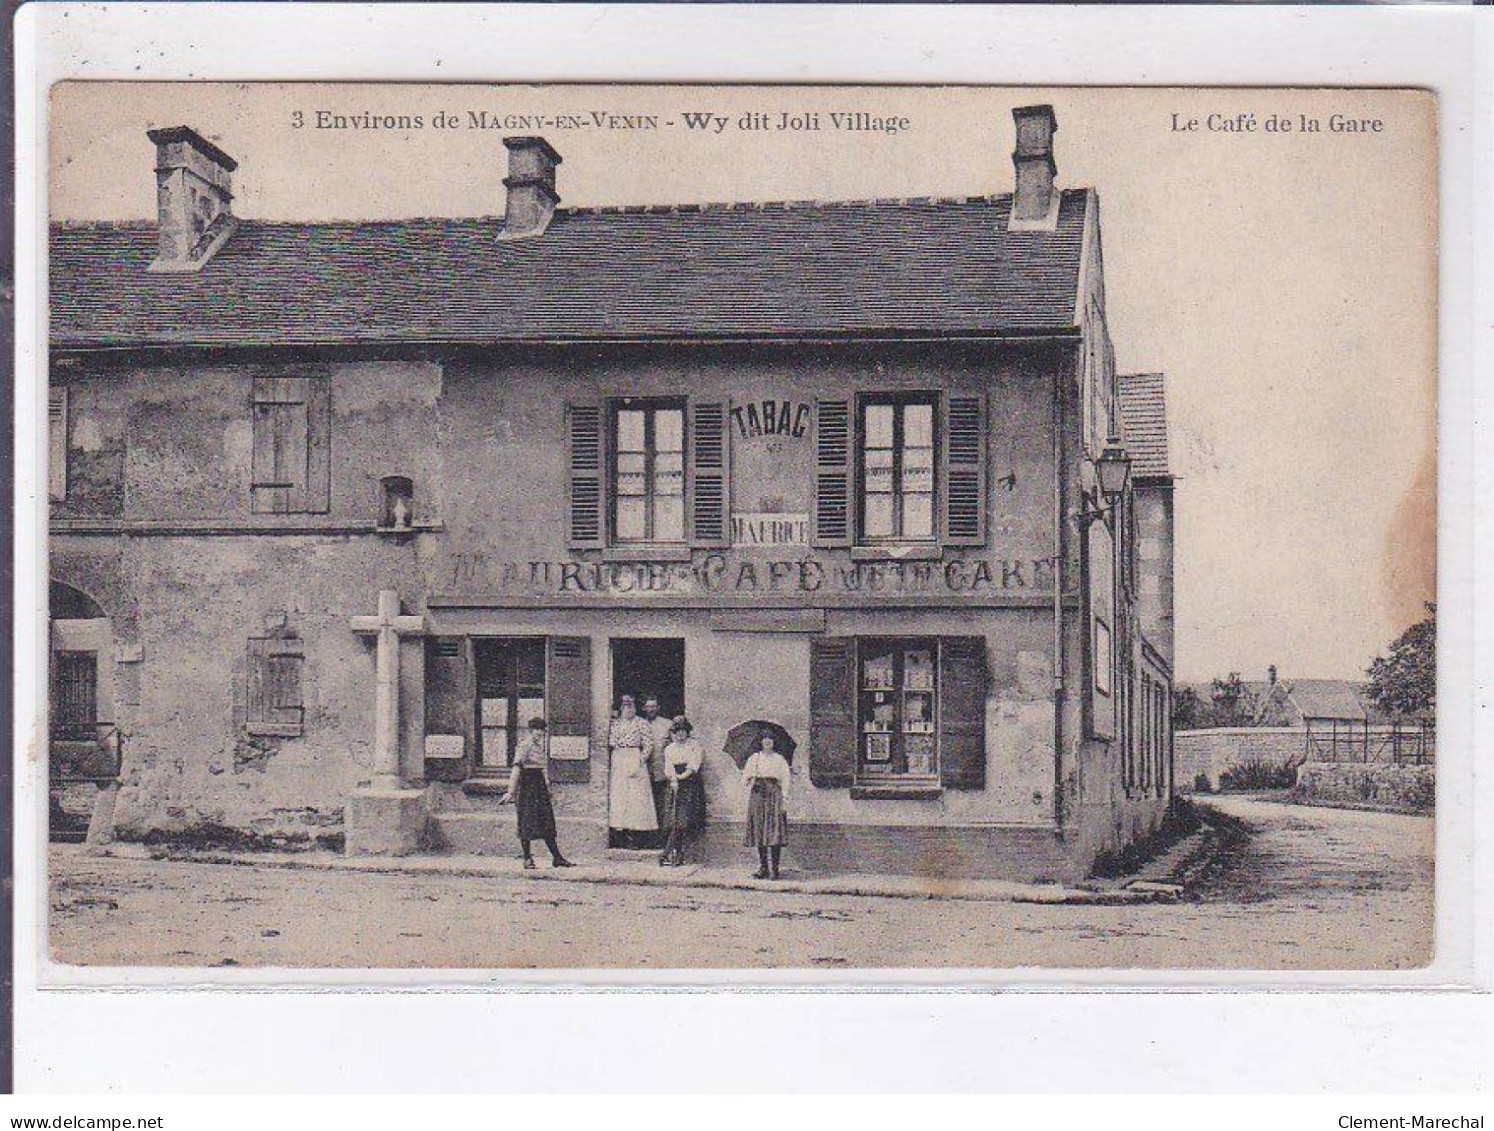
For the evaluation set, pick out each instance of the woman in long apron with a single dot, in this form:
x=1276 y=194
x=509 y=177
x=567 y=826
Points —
x=529 y=791
x=766 y=778
x=630 y=789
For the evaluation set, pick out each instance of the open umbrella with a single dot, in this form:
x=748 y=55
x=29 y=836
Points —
x=742 y=740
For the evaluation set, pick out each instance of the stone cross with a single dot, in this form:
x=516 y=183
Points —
x=388 y=625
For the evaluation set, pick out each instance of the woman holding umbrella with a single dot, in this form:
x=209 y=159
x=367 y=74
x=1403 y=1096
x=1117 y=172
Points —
x=766 y=778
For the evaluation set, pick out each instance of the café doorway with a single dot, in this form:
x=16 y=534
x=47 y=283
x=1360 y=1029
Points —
x=645 y=668
x=650 y=666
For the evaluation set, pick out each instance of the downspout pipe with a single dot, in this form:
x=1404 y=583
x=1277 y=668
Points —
x=1060 y=562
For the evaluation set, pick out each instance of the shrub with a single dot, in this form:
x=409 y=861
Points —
x=1258 y=774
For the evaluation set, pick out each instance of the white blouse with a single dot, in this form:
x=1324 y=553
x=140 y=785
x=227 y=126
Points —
x=687 y=753
x=765 y=765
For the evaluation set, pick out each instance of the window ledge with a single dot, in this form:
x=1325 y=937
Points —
x=906 y=552
x=669 y=552
x=889 y=792
x=273 y=730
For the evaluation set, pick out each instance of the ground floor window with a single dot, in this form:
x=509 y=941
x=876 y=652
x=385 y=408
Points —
x=274 y=701
x=898 y=708
x=484 y=690
x=898 y=717
x=74 y=695
x=510 y=692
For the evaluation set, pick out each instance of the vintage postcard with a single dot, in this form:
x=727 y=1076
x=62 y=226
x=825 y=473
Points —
x=664 y=528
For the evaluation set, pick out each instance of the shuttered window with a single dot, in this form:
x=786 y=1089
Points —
x=833 y=477
x=903 y=467
x=648 y=471
x=274 y=700
x=832 y=712
x=292 y=453
x=963 y=684
x=584 y=482
x=568 y=700
x=710 y=467
x=898 y=717
x=965 y=459
x=57 y=444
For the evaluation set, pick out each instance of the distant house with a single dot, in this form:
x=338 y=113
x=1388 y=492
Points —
x=1314 y=703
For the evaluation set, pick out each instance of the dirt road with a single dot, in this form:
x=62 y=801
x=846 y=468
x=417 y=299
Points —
x=1309 y=889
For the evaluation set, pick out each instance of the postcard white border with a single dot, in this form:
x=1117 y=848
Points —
x=1430 y=47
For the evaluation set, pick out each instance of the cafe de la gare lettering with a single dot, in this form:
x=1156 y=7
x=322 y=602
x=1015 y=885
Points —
x=337 y=508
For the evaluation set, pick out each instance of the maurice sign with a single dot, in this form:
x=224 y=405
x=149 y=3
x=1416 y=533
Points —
x=717 y=574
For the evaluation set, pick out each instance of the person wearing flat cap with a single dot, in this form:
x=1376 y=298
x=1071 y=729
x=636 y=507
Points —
x=684 y=801
x=529 y=792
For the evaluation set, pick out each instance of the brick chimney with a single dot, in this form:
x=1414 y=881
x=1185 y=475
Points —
x=531 y=186
x=194 y=199
x=1035 y=200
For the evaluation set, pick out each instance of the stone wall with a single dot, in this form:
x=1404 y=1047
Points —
x=1398 y=789
x=1203 y=755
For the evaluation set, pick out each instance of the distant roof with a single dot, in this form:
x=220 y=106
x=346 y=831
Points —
x=1143 y=410
x=1313 y=698
x=1328 y=698
x=928 y=266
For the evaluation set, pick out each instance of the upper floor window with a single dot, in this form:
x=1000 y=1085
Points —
x=648 y=471
x=897 y=468
x=292 y=452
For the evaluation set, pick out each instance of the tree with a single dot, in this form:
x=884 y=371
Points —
x=1234 y=704
x=1405 y=681
x=1230 y=704
x=1189 y=711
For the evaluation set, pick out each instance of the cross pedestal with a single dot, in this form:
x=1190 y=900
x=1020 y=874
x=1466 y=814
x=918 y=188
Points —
x=387 y=818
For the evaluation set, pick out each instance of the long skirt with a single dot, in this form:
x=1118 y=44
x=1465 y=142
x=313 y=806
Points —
x=630 y=793
x=767 y=823
x=684 y=808
x=536 y=813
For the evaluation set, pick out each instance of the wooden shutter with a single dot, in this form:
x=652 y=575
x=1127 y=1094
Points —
x=315 y=495
x=568 y=701
x=273 y=697
x=710 y=474
x=834 y=481
x=585 y=480
x=832 y=712
x=965 y=460
x=962 y=712
x=450 y=698
x=292 y=470
x=57 y=444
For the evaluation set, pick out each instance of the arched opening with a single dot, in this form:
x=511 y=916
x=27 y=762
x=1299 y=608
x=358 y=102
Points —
x=66 y=603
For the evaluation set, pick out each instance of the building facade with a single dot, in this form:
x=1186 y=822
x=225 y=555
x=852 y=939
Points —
x=346 y=504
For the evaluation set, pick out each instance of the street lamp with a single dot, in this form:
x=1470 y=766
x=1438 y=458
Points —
x=1113 y=470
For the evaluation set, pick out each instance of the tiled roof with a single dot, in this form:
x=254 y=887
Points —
x=1329 y=699
x=927 y=266
x=1143 y=409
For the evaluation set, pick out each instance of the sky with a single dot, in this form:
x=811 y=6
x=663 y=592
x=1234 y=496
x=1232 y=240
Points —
x=1285 y=281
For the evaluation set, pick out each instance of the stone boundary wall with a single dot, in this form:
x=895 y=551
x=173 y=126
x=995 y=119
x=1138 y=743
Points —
x=1203 y=755
x=1396 y=789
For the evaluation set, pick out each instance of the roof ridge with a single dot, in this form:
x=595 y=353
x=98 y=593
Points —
x=686 y=208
